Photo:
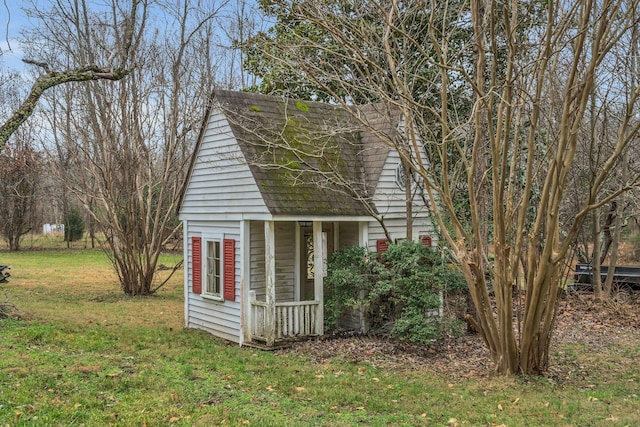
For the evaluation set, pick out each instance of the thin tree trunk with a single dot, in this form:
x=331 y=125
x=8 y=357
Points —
x=595 y=257
x=613 y=257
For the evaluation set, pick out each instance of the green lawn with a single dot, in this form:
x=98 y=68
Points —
x=86 y=355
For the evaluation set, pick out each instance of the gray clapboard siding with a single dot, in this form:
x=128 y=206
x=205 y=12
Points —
x=285 y=260
x=348 y=235
x=390 y=201
x=221 y=182
x=214 y=328
x=389 y=197
x=258 y=282
x=210 y=315
x=220 y=318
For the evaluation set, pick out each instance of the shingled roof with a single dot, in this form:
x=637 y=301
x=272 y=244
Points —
x=308 y=158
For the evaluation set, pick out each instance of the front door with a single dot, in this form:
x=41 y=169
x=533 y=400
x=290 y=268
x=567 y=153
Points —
x=307 y=272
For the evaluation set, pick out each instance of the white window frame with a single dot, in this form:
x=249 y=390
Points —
x=207 y=291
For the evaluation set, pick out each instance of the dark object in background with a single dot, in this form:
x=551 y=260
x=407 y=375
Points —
x=4 y=273
x=628 y=277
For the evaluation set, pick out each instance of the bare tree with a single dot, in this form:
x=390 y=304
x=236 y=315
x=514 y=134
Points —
x=127 y=145
x=529 y=69
x=243 y=21
x=115 y=67
x=20 y=169
x=19 y=188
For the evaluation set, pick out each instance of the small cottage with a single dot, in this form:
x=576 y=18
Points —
x=274 y=188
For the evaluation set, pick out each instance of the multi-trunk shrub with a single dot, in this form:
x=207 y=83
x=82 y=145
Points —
x=400 y=291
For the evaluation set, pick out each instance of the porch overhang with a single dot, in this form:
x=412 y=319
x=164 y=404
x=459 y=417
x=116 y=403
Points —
x=315 y=218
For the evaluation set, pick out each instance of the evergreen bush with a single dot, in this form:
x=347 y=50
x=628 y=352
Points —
x=73 y=225
x=400 y=292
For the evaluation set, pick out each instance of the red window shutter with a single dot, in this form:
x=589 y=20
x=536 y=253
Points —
x=196 y=265
x=426 y=240
x=382 y=245
x=229 y=269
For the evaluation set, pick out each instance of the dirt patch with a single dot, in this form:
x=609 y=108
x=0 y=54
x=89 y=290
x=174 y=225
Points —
x=581 y=320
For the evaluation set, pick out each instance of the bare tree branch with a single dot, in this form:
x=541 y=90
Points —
x=46 y=81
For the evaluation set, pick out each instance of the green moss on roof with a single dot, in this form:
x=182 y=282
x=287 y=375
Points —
x=292 y=164
x=291 y=124
x=292 y=151
x=302 y=106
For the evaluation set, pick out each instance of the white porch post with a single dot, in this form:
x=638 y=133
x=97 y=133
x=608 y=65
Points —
x=270 y=280
x=297 y=275
x=188 y=265
x=318 y=277
x=245 y=281
x=363 y=234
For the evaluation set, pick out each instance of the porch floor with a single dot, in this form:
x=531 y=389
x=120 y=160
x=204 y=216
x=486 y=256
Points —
x=260 y=343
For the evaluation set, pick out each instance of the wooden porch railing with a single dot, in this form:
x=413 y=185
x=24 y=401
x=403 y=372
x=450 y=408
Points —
x=292 y=319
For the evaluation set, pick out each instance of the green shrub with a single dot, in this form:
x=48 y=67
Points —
x=73 y=226
x=402 y=289
x=351 y=273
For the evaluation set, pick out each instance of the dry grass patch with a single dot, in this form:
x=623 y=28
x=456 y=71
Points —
x=70 y=286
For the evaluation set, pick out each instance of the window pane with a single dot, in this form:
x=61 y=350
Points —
x=213 y=268
x=216 y=263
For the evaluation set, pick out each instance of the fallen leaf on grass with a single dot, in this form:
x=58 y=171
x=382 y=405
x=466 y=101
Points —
x=211 y=402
